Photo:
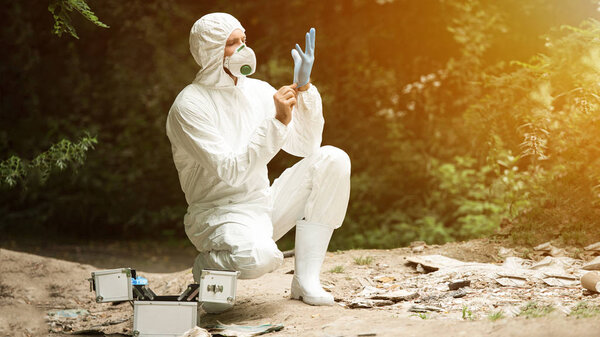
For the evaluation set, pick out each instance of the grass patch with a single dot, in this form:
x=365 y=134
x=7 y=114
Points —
x=585 y=310
x=527 y=254
x=535 y=310
x=467 y=314
x=337 y=269
x=363 y=260
x=421 y=315
x=6 y=291
x=494 y=316
x=54 y=290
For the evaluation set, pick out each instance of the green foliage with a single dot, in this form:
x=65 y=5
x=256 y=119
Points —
x=479 y=197
x=60 y=155
x=585 y=310
x=479 y=142
x=337 y=269
x=363 y=260
x=559 y=130
x=494 y=316
x=61 y=10
x=535 y=310
x=467 y=314
x=468 y=119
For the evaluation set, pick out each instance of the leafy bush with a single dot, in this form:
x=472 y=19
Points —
x=14 y=169
x=456 y=121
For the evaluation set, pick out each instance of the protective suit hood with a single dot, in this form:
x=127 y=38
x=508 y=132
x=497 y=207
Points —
x=208 y=37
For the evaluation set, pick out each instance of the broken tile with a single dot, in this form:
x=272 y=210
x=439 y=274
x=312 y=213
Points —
x=458 y=284
x=592 y=265
x=546 y=247
x=593 y=246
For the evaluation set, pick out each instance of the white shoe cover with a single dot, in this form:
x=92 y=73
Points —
x=312 y=240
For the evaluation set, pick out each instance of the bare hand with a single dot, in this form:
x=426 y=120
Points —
x=285 y=99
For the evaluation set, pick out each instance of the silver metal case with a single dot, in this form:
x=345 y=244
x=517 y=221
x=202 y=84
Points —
x=218 y=286
x=113 y=285
x=163 y=318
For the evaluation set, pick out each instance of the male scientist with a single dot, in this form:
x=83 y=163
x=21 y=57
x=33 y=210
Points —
x=224 y=128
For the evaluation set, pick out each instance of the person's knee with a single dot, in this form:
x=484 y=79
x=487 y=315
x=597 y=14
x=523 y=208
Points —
x=257 y=259
x=338 y=160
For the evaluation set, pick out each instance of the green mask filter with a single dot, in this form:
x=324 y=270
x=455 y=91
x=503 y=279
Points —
x=242 y=62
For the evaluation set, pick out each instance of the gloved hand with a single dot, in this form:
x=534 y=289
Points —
x=303 y=61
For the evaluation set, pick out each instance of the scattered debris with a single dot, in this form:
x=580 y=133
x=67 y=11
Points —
x=483 y=287
x=459 y=293
x=458 y=284
x=548 y=249
x=365 y=282
x=69 y=313
x=233 y=330
x=431 y=263
x=371 y=297
x=77 y=322
x=557 y=252
x=593 y=247
x=417 y=247
x=396 y=296
x=362 y=303
x=511 y=280
x=417 y=244
x=424 y=308
x=196 y=332
x=506 y=252
x=560 y=281
x=592 y=265
x=545 y=247
x=385 y=279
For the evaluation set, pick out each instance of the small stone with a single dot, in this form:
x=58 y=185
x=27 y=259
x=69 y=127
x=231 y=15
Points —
x=397 y=296
x=557 y=252
x=546 y=246
x=506 y=252
x=424 y=308
x=459 y=293
x=592 y=265
x=593 y=246
x=459 y=284
x=417 y=244
x=418 y=249
x=385 y=279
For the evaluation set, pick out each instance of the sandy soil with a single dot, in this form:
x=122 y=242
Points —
x=32 y=287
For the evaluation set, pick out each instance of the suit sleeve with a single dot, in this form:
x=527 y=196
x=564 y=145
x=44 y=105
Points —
x=193 y=130
x=306 y=127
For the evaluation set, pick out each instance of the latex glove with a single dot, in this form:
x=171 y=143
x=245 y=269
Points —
x=303 y=61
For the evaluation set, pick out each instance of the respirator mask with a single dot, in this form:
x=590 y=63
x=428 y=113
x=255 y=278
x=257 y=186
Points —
x=242 y=62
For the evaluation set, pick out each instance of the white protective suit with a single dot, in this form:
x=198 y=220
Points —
x=222 y=137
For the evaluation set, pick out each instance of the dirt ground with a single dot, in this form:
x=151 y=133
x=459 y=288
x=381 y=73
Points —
x=37 y=280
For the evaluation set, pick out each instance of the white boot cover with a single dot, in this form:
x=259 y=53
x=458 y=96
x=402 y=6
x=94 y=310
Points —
x=312 y=240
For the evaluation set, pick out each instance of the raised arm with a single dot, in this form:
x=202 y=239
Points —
x=306 y=129
x=196 y=133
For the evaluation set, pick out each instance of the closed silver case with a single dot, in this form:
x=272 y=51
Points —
x=163 y=318
x=217 y=289
x=112 y=285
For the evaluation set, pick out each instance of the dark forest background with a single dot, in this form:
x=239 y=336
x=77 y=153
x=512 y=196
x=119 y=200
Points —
x=462 y=119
